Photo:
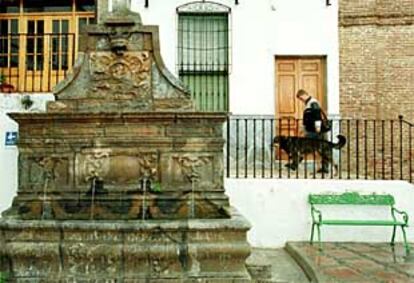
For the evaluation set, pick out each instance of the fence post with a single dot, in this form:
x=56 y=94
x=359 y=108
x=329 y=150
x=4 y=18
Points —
x=228 y=147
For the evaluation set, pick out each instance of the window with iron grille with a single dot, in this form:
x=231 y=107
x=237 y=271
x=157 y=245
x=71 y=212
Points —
x=203 y=54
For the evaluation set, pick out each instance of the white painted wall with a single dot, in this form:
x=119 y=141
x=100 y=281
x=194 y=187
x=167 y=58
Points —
x=261 y=29
x=8 y=154
x=279 y=212
x=277 y=209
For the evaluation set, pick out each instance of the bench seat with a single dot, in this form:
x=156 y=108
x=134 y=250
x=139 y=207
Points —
x=361 y=222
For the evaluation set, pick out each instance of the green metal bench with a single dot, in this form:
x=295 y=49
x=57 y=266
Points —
x=357 y=199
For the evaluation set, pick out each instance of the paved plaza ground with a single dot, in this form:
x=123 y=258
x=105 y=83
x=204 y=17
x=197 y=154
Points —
x=339 y=262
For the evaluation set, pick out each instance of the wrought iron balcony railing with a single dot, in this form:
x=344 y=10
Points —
x=375 y=149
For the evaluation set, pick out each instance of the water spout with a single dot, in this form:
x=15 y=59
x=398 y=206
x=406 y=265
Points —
x=192 y=211
x=145 y=185
x=93 y=192
x=46 y=206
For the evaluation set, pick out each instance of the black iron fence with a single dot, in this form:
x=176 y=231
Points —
x=375 y=149
x=35 y=62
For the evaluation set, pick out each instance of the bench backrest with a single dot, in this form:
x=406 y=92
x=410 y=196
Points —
x=351 y=199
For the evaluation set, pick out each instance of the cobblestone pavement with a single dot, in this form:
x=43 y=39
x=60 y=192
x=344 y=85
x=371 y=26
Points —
x=354 y=262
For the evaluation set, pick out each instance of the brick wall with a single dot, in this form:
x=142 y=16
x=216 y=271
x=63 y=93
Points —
x=377 y=59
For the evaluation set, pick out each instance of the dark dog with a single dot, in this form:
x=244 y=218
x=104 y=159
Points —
x=297 y=147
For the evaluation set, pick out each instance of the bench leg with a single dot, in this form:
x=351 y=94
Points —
x=407 y=247
x=319 y=237
x=311 y=237
x=393 y=236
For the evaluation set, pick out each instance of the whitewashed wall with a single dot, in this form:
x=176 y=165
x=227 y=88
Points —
x=279 y=212
x=261 y=29
x=8 y=154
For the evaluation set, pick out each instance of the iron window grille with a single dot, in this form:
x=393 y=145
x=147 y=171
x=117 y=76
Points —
x=204 y=53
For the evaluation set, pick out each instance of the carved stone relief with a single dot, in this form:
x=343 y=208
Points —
x=193 y=168
x=95 y=164
x=121 y=77
x=117 y=168
x=51 y=170
x=148 y=166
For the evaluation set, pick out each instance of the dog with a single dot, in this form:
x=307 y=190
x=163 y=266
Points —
x=297 y=147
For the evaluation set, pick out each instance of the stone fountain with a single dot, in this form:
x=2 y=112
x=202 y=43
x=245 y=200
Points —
x=121 y=180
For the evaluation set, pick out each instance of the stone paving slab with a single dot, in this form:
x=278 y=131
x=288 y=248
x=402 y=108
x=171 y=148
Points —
x=353 y=262
x=283 y=268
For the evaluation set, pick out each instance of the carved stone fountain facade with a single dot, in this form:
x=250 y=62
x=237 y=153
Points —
x=121 y=179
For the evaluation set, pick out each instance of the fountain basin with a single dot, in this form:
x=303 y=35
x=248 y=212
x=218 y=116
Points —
x=125 y=250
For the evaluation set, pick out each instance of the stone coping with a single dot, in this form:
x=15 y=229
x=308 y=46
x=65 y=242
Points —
x=309 y=269
x=236 y=222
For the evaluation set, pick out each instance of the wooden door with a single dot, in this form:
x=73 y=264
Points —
x=48 y=44
x=292 y=74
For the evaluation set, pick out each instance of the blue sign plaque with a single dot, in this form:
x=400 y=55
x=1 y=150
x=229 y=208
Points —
x=10 y=138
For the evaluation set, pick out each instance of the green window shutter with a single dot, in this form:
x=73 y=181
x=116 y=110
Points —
x=203 y=58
